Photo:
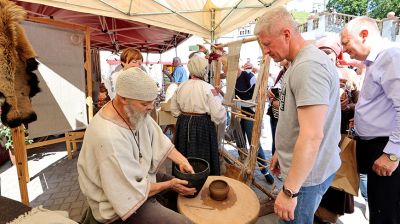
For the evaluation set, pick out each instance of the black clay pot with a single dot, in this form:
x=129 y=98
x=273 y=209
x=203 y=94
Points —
x=201 y=171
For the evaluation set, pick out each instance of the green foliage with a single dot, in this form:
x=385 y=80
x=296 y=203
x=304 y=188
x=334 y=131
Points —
x=300 y=17
x=6 y=135
x=380 y=8
x=352 y=7
x=377 y=9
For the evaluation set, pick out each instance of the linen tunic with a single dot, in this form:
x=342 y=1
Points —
x=111 y=175
x=197 y=96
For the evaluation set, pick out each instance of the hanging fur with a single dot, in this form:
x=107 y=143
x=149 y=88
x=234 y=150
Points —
x=18 y=83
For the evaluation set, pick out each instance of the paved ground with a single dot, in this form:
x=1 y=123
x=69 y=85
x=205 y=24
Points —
x=54 y=183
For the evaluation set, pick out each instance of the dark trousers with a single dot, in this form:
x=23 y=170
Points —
x=247 y=130
x=274 y=122
x=383 y=191
x=160 y=208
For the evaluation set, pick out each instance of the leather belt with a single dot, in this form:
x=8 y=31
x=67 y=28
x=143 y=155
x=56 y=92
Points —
x=193 y=114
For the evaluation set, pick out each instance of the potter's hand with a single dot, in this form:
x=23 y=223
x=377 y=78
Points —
x=186 y=168
x=178 y=186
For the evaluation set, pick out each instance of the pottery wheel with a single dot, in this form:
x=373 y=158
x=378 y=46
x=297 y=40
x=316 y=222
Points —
x=240 y=206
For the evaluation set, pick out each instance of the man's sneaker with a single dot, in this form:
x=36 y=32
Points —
x=270 y=179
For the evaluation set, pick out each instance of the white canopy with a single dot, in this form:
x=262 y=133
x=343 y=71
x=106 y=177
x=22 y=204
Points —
x=206 y=18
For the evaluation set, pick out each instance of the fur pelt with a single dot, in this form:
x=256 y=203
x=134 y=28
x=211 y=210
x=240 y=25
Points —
x=18 y=83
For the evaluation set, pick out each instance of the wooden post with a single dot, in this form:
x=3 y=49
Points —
x=255 y=138
x=244 y=40
x=21 y=160
x=68 y=144
x=218 y=73
x=88 y=67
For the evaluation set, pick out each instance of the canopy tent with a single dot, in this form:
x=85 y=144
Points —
x=110 y=33
x=209 y=19
x=122 y=23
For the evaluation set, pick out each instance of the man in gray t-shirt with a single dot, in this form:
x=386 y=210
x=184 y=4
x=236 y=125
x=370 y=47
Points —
x=311 y=79
x=308 y=132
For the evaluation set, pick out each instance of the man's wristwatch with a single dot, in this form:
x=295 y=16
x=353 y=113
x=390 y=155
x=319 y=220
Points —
x=289 y=192
x=392 y=157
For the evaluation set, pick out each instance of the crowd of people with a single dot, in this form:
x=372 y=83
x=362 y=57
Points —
x=315 y=101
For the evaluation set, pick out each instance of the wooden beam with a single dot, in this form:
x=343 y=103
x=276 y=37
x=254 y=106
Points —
x=217 y=73
x=242 y=116
x=244 y=40
x=56 y=23
x=255 y=138
x=264 y=190
x=88 y=67
x=47 y=142
x=229 y=156
x=21 y=160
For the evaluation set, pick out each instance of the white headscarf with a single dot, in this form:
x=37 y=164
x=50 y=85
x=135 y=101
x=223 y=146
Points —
x=198 y=67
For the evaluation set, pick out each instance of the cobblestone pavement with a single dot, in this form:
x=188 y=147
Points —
x=54 y=181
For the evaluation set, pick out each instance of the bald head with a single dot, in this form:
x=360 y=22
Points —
x=362 y=23
x=358 y=36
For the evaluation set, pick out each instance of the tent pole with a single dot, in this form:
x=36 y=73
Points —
x=222 y=20
x=212 y=26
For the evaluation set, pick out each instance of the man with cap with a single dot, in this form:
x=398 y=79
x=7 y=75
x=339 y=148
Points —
x=122 y=151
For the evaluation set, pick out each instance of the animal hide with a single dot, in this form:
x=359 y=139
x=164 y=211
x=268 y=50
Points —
x=18 y=83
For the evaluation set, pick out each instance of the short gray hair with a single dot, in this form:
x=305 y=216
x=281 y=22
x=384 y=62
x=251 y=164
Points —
x=274 y=20
x=176 y=59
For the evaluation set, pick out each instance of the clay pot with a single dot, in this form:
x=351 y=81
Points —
x=201 y=171
x=219 y=190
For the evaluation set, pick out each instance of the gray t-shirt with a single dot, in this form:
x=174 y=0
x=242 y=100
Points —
x=312 y=79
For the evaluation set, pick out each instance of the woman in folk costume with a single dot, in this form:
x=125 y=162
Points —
x=198 y=107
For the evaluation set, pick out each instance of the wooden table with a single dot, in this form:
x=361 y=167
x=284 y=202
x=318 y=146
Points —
x=241 y=206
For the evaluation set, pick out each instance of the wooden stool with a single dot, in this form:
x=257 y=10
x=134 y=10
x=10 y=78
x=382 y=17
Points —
x=241 y=206
x=71 y=138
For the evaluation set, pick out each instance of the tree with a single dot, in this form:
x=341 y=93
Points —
x=352 y=7
x=376 y=9
x=380 y=8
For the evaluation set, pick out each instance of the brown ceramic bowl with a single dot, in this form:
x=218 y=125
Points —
x=219 y=190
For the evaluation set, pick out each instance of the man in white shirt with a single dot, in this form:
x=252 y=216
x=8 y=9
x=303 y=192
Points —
x=122 y=151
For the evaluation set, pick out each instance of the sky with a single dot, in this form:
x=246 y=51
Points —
x=306 y=5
